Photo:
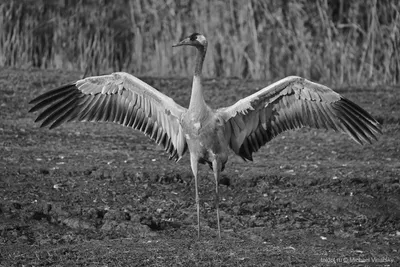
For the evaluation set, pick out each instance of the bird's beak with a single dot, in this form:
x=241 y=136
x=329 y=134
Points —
x=183 y=42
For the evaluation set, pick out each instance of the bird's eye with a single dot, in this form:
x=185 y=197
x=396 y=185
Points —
x=193 y=37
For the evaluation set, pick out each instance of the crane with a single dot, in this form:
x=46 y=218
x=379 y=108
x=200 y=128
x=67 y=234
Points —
x=208 y=134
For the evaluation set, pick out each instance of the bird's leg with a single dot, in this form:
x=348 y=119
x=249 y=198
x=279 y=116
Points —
x=194 y=164
x=217 y=170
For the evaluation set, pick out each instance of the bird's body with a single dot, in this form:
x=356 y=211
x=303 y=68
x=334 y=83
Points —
x=206 y=138
x=208 y=134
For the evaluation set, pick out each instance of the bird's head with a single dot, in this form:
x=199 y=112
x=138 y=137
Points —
x=195 y=39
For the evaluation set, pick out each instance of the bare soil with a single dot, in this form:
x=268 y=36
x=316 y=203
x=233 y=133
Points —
x=99 y=194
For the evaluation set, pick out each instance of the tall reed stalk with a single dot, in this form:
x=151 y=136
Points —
x=341 y=41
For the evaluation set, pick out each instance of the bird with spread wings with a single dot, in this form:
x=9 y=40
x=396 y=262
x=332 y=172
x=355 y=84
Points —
x=208 y=134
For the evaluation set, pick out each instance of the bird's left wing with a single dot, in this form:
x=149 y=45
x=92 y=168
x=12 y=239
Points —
x=121 y=98
x=291 y=103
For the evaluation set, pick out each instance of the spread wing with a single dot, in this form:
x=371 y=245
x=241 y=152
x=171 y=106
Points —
x=292 y=103
x=120 y=98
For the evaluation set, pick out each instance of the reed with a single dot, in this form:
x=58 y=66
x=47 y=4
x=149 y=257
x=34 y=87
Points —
x=342 y=41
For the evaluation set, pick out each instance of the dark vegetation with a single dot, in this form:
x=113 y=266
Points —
x=335 y=41
x=102 y=194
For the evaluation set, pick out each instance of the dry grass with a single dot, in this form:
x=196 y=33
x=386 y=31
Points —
x=340 y=41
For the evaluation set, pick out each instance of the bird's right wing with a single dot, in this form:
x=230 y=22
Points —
x=121 y=98
x=291 y=103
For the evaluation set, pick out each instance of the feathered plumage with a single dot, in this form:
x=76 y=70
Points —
x=244 y=127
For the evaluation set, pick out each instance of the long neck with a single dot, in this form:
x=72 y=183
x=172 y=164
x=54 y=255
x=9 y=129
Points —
x=197 y=102
x=201 y=54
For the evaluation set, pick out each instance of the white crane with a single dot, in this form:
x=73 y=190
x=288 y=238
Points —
x=208 y=134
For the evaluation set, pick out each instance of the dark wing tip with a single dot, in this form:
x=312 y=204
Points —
x=54 y=104
x=52 y=96
x=52 y=93
x=358 y=123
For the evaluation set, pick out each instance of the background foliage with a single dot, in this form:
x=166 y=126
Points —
x=337 y=41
